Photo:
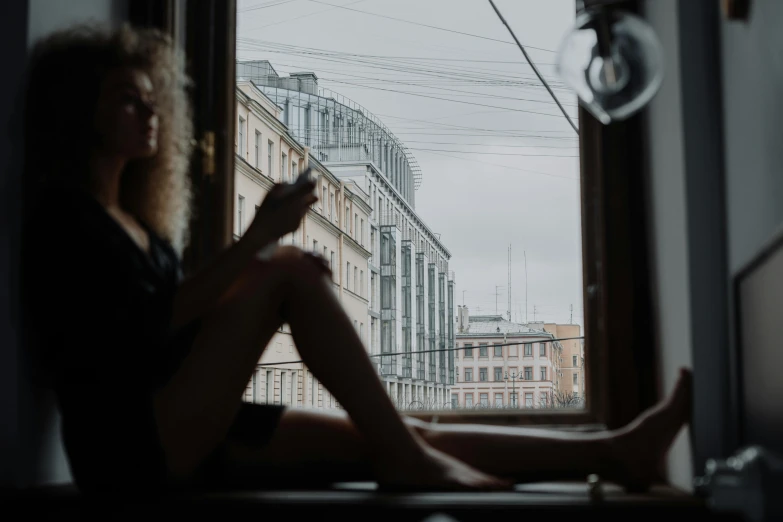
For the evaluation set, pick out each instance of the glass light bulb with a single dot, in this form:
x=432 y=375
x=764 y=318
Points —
x=617 y=85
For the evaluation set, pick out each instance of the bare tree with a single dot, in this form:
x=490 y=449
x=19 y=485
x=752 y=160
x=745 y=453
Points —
x=566 y=399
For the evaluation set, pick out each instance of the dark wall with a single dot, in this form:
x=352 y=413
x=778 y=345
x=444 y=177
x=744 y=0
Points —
x=30 y=448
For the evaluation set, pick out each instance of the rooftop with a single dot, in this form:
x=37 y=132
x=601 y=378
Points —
x=496 y=324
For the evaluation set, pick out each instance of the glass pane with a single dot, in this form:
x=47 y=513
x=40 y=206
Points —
x=401 y=131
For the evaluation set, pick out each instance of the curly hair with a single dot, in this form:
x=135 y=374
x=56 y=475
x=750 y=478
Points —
x=64 y=79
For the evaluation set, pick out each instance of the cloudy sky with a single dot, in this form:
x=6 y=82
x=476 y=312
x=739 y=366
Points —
x=499 y=161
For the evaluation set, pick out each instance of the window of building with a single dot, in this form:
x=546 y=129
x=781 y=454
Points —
x=324 y=200
x=468 y=351
x=241 y=138
x=361 y=232
x=498 y=350
x=544 y=399
x=528 y=350
x=542 y=349
x=348 y=276
x=573 y=359
x=528 y=400
x=326 y=253
x=543 y=373
x=312 y=389
x=294 y=395
x=331 y=205
x=282 y=388
x=315 y=246
x=468 y=374
x=361 y=331
x=484 y=400
x=361 y=283
x=468 y=400
x=498 y=373
x=454 y=400
x=294 y=171
x=498 y=400
x=482 y=374
x=356 y=280
x=576 y=378
x=528 y=373
x=347 y=219
x=269 y=153
x=270 y=387
x=257 y=155
x=241 y=214
x=331 y=260
x=483 y=350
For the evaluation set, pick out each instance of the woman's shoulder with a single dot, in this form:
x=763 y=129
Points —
x=67 y=223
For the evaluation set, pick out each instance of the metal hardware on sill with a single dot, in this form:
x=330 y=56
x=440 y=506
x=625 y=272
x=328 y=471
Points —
x=749 y=483
x=207 y=147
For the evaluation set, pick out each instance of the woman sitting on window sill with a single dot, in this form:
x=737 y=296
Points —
x=149 y=369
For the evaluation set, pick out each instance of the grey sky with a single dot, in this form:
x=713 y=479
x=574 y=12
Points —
x=477 y=206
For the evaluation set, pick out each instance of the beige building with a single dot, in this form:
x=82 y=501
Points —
x=570 y=378
x=335 y=228
x=493 y=371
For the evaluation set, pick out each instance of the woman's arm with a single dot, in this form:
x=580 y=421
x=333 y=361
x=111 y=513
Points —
x=280 y=213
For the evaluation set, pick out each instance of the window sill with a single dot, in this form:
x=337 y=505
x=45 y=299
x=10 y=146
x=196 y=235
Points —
x=360 y=500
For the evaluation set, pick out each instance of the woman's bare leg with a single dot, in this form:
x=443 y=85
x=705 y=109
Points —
x=196 y=408
x=326 y=447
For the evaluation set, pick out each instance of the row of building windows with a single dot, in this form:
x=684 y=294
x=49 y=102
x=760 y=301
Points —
x=512 y=374
x=497 y=350
x=500 y=400
x=267 y=388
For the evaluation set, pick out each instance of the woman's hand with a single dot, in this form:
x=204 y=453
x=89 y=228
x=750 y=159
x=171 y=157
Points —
x=281 y=212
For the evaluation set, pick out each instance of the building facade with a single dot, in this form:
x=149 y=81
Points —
x=570 y=379
x=266 y=154
x=368 y=193
x=501 y=364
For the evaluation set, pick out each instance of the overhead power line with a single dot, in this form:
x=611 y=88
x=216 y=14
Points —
x=426 y=25
x=494 y=153
x=437 y=350
x=265 y=5
x=301 y=16
x=535 y=69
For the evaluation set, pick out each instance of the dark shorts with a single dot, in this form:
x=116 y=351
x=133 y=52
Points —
x=252 y=428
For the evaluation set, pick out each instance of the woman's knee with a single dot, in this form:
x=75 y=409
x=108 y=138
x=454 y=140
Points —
x=296 y=265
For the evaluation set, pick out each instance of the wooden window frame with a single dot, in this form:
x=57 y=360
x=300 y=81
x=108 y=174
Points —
x=621 y=367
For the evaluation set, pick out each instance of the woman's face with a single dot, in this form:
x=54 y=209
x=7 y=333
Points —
x=125 y=115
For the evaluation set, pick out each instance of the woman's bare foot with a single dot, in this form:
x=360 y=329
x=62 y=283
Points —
x=638 y=449
x=434 y=470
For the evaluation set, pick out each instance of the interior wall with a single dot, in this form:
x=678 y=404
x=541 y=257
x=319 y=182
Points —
x=752 y=53
x=689 y=220
x=30 y=447
x=669 y=234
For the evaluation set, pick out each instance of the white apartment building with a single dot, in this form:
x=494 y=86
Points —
x=411 y=314
x=491 y=374
x=335 y=227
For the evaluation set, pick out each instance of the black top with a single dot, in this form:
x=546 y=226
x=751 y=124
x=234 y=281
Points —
x=97 y=311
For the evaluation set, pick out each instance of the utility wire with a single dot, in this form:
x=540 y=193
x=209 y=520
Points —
x=265 y=5
x=460 y=101
x=426 y=25
x=494 y=153
x=535 y=69
x=302 y=16
x=503 y=166
x=438 y=350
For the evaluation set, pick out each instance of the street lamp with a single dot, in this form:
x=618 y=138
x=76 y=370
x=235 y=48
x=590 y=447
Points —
x=513 y=377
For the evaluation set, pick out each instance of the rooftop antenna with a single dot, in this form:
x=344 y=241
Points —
x=509 y=282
